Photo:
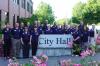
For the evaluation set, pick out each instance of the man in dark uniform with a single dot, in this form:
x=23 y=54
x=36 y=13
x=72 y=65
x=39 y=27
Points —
x=16 y=40
x=68 y=30
x=34 y=40
x=26 y=42
x=45 y=25
x=85 y=38
x=54 y=28
x=77 y=41
x=81 y=27
x=59 y=29
x=48 y=30
x=7 y=40
x=40 y=28
x=92 y=36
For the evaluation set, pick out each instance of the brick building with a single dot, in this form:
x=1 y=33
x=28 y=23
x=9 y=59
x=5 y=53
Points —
x=12 y=10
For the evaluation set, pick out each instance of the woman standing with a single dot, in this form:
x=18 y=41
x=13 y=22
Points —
x=26 y=42
x=34 y=40
x=7 y=40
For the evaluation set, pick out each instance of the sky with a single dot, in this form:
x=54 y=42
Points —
x=61 y=8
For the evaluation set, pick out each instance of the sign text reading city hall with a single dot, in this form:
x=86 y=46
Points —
x=55 y=41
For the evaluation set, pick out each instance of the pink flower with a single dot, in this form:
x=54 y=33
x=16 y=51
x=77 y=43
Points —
x=77 y=65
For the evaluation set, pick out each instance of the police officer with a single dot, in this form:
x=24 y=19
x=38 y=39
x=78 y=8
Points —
x=48 y=30
x=91 y=37
x=77 y=41
x=59 y=30
x=85 y=38
x=77 y=36
x=16 y=40
x=45 y=25
x=68 y=30
x=40 y=28
x=26 y=42
x=34 y=40
x=81 y=26
x=54 y=28
x=7 y=40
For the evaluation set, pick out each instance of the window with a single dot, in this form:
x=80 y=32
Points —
x=0 y=15
x=28 y=6
x=18 y=2
x=7 y=17
x=31 y=11
x=23 y=3
x=18 y=19
x=14 y=20
x=15 y=1
x=0 y=19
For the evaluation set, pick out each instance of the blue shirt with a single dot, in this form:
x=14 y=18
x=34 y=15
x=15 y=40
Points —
x=35 y=35
x=48 y=31
x=40 y=29
x=85 y=36
x=59 y=31
x=16 y=33
x=54 y=29
x=6 y=33
x=75 y=35
x=91 y=33
x=26 y=36
x=68 y=31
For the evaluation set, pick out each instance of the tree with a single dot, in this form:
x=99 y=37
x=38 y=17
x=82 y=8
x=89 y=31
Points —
x=44 y=12
x=77 y=10
x=88 y=12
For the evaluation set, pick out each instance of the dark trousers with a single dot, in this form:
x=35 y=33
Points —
x=7 y=48
x=34 y=47
x=26 y=48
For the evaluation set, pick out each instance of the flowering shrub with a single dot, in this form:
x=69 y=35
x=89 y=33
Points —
x=13 y=62
x=86 y=57
x=40 y=61
x=65 y=62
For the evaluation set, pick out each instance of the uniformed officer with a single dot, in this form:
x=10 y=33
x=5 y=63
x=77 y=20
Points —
x=48 y=30
x=26 y=42
x=68 y=30
x=34 y=40
x=77 y=36
x=16 y=40
x=40 y=28
x=45 y=25
x=7 y=40
x=91 y=37
x=77 y=41
x=81 y=26
x=85 y=38
x=59 y=30
x=54 y=28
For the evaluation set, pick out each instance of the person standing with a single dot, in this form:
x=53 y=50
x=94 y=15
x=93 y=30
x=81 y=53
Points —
x=26 y=42
x=54 y=28
x=34 y=40
x=92 y=36
x=48 y=30
x=16 y=40
x=45 y=25
x=77 y=41
x=6 y=36
x=85 y=38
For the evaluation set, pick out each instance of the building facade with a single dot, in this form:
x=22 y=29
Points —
x=12 y=10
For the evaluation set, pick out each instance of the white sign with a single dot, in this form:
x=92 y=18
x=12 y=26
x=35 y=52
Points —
x=55 y=41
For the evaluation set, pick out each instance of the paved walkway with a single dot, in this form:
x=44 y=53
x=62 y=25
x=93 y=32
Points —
x=53 y=61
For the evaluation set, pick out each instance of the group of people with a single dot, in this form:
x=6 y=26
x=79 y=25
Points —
x=25 y=36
